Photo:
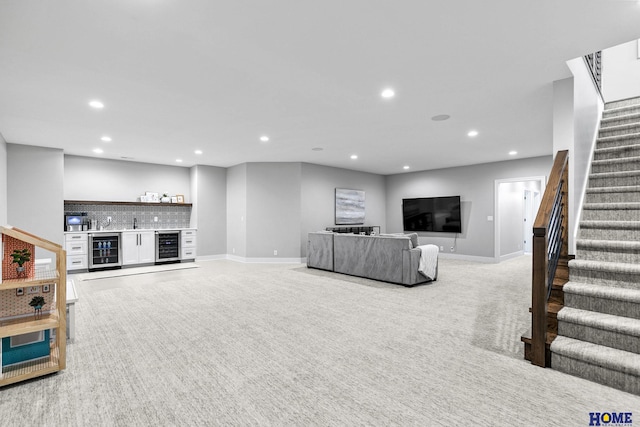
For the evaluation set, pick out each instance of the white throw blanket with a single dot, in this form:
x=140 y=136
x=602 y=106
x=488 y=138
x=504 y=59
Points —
x=428 y=261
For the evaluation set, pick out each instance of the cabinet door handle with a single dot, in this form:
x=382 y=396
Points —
x=76 y=262
x=75 y=248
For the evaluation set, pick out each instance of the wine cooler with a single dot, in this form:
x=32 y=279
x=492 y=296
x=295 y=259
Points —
x=104 y=250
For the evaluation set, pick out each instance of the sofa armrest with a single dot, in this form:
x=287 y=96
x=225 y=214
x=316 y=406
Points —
x=320 y=251
x=410 y=264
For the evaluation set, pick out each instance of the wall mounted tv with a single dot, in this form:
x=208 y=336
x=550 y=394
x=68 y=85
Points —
x=438 y=214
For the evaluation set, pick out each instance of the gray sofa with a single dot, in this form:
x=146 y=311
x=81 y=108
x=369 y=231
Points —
x=388 y=258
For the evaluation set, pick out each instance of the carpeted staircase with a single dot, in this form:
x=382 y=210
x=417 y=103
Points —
x=599 y=326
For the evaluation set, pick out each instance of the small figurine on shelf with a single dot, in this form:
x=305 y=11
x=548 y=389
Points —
x=37 y=302
x=20 y=256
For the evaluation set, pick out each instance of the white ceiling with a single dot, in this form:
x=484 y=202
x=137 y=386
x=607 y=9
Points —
x=176 y=76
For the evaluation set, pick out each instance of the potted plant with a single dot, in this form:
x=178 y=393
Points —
x=20 y=256
x=37 y=303
x=165 y=198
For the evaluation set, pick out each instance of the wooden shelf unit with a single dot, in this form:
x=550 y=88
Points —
x=55 y=319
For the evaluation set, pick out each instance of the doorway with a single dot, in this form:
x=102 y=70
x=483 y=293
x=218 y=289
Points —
x=516 y=204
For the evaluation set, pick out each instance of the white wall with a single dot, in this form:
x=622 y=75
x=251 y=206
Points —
x=273 y=210
x=318 y=184
x=209 y=212
x=587 y=111
x=621 y=72
x=90 y=178
x=3 y=181
x=237 y=210
x=34 y=193
x=476 y=186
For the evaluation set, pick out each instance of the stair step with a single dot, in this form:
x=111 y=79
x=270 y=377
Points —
x=603 y=299
x=616 y=165
x=619 y=194
x=609 y=366
x=619 y=130
x=614 y=179
x=611 y=211
x=630 y=116
x=617 y=274
x=604 y=329
x=617 y=140
x=609 y=230
x=621 y=103
x=608 y=250
x=617 y=152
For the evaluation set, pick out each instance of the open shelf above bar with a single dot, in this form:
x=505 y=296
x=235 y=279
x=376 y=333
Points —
x=98 y=202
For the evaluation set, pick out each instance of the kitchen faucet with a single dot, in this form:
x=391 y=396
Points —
x=135 y=223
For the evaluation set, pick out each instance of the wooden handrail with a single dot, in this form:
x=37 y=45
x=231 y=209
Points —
x=552 y=213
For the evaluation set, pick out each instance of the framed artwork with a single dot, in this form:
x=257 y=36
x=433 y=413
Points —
x=152 y=197
x=180 y=198
x=45 y=288
x=19 y=291
x=349 y=206
x=174 y=199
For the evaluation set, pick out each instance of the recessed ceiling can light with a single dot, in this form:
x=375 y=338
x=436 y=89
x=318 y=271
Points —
x=264 y=138
x=388 y=93
x=96 y=104
x=178 y=160
x=198 y=151
x=405 y=167
x=317 y=149
x=106 y=138
x=513 y=153
x=472 y=133
x=440 y=117
x=354 y=156
x=98 y=150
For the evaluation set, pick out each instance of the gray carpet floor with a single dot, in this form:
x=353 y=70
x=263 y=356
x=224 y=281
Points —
x=282 y=345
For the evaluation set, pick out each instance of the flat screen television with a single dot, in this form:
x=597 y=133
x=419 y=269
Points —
x=438 y=214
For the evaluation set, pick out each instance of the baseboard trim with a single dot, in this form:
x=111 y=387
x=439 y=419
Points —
x=511 y=255
x=256 y=260
x=211 y=257
x=473 y=258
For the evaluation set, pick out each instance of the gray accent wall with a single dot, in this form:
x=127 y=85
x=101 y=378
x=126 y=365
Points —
x=209 y=212
x=3 y=181
x=34 y=191
x=237 y=210
x=273 y=210
x=318 y=184
x=90 y=178
x=476 y=186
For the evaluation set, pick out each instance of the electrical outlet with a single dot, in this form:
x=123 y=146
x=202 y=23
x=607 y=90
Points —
x=155 y=219
x=453 y=249
x=108 y=219
x=275 y=252
x=441 y=248
x=233 y=251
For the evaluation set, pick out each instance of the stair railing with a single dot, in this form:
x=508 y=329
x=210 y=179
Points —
x=549 y=242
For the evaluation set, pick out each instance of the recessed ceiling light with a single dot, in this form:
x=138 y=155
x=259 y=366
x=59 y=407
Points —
x=472 y=133
x=405 y=167
x=179 y=160
x=388 y=93
x=198 y=151
x=317 y=149
x=106 y=138
x=440 y=117
x=264 y=138
x=98 y=150
x=96 y=104
x=513 y=153
x=354 y=157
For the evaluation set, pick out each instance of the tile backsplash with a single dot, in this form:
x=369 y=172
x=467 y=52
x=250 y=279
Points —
x=170 y=215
